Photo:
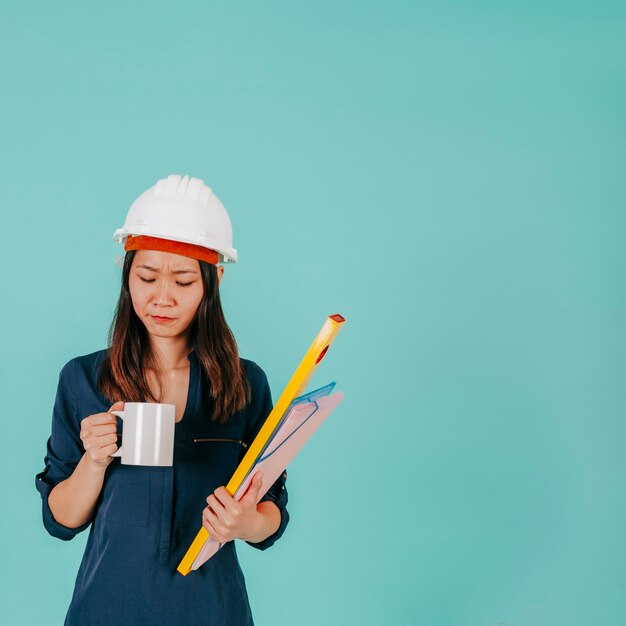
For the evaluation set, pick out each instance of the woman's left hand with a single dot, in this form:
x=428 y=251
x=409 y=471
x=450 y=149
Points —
x=227 y=519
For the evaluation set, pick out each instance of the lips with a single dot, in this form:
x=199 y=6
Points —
x=159 y=318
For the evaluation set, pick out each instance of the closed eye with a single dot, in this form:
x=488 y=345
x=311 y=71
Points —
x=151 y=280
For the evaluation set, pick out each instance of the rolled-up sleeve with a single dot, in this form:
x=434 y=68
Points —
x=64 y=450
x=277 y=493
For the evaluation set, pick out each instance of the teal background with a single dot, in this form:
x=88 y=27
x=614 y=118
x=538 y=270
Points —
x=450 y=178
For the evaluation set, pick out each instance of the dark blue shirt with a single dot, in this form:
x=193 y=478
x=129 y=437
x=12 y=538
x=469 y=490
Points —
x=146 y=517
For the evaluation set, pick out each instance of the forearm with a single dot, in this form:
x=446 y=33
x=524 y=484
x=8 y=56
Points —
x=268 y=521
x=72 y=501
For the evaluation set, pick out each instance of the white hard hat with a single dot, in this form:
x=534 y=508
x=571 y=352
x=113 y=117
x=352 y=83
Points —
x=184 y=209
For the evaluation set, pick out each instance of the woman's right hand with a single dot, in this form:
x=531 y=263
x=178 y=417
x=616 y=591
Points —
x=98 y=432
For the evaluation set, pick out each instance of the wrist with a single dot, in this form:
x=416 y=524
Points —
x=257 y=527
x=93 y=467
x=269 y=517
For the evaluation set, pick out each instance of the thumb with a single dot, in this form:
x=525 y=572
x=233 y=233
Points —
x=118 y=406
x=252 y=493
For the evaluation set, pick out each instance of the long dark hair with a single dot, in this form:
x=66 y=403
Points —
x=123 y=372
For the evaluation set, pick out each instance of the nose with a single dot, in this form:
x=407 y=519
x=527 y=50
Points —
x=164 y=295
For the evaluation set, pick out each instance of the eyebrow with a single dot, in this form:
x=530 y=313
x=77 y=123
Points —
x=154 y=269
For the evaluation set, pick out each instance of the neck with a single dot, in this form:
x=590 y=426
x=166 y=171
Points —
x=171 y=352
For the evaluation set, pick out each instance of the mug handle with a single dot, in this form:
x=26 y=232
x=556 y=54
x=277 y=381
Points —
x=119 y=414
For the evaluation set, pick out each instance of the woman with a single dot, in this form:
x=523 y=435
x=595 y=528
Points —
x=169 y=343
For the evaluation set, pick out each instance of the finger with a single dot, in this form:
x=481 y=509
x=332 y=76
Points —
x=101 y=418
x=209 y=527
x=109 y=450
x=214 y=503
x=94 y=443
x=214 y=518
x=103 y=454
x=225 y=499
x=213 y=533
x=211 y=523
x=89 y=433
x=103 y=429
x=105 y=440
x=222 y=517
x=118 y=406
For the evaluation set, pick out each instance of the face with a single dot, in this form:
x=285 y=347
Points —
x=166 y=290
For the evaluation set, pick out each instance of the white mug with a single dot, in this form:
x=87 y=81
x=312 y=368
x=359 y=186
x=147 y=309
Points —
x=147 y=433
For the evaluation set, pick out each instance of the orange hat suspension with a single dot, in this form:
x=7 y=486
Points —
x=144 y=242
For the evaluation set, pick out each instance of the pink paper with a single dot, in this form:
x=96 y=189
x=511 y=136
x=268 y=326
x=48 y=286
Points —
x=301 y=422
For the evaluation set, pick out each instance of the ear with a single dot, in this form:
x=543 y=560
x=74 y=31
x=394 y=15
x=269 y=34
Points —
x=220 y=273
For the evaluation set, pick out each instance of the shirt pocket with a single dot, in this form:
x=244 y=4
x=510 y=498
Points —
x=211 y=462
x=125 y=497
